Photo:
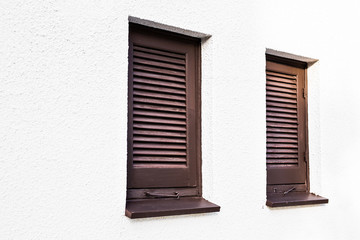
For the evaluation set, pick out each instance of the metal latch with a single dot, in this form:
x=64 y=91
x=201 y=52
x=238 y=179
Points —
x=291 y=189
x=155 y=195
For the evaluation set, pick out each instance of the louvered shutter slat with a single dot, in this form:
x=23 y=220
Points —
x=281 y=105
x=281 y=161
x=158 y=139
x=158 y=70
x=159 y=52
x=159 y=120
x=282 y=130
x=281 y=125
x=159 y=76
x=159 y=101
x=281 y=140
x=160 y=83
x=280 y=84
x=159 y=126
x=158 y=108
x=281 y=79
x=278 y=155
x=282 y=135
x=281 y=150
x=159 y=64
x=159 y=89
x=159 y=95
x=160 y=133
x=157 y=159
x=279 y=109
x=281 y=120
x=281 y=89
x=158 y=152
x=159 y=114
x=281 y=94
x=281 y=115
x=159 y=146
x=159 y=57
x=281 y=100
x=274 y=145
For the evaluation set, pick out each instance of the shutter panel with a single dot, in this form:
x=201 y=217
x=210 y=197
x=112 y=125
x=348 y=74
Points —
x=164 y=116
x=159 y=109
x=285 y=124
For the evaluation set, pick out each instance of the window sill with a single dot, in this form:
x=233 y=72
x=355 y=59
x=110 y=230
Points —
x=143 y=208
x=294 y=199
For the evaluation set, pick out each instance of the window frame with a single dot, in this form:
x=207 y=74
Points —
x=153 y=38
x=141 y=192
x=290 y=194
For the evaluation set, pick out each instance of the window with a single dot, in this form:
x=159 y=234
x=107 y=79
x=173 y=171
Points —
x=286 y=131
x=164 y=132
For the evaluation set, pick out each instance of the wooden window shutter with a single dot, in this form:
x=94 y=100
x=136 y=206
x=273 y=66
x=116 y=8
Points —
x=286 y=124
x=286 y=134
x=164 y=112
x=164 y=154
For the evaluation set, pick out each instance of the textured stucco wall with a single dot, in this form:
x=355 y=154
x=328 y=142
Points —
x=63 y=108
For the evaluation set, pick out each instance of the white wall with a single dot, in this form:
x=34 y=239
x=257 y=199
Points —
x=63 y=108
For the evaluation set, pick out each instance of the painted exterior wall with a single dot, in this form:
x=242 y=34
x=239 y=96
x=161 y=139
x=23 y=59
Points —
x=63 y=108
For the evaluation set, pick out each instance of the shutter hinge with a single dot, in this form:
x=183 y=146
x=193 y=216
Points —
x=304 y=93
x=305 y=157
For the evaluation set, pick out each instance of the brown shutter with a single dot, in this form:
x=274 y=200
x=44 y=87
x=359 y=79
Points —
x=164 y=114
x=159 y=109
x=285 y=124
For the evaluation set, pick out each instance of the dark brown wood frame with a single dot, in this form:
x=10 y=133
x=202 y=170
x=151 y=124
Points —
x=301 y=194
x=284 y=173
x=193 y=125
x=190 y=201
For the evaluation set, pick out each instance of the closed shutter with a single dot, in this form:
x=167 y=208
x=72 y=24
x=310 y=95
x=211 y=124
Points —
x=285 y=124
x=159 y=109
x=164 y=114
